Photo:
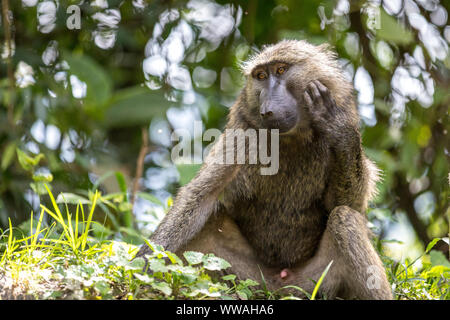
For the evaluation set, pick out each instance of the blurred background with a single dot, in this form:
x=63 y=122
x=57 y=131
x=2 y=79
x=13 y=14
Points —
x=91 y=91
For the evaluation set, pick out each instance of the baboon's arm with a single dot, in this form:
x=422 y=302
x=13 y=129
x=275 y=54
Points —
x=348 y=176
x=195 y=202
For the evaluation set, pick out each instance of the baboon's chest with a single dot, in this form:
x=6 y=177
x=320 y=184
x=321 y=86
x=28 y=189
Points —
x=299 y=182
x=281 y=215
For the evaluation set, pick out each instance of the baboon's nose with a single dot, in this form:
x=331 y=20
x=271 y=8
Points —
x=266 y=114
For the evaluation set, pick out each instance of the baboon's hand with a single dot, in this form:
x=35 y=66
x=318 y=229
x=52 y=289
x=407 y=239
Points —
x=326 y=116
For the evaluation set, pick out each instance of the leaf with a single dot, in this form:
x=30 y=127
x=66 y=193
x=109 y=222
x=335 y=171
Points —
x=100 y=231
x=393 y=31
x=438 y=259
x=27 y=162
x=249 y=283
x=188 y=278
x=102 y=287
x=98 y=82
x=135 y=106
x=122 y=183
x=158 y=265
x=204 y=292
x=243 y=294
x=436 y=272
x=149 y=197
x=52 y=295
x=43 y=177
x=71 y=198
x=8 y=155
x=213 y=263
x=173 y=258
x=143 y=278
x=187 y=172
x=297 y=288
x=432 y=244
x=163 y=287
x=39 y=187
x=382 y=106
x=229 y=277
x=193 y=257
x=125 y=207
x=136 y=264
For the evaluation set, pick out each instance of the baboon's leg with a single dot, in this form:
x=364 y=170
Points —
x=356 y=272
x=222 y=237
x=363 y=273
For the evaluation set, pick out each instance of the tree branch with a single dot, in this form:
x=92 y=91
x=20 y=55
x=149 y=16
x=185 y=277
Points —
x=140 y=164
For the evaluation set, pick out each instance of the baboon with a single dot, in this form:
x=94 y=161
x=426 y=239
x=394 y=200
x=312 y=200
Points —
x=288 y=226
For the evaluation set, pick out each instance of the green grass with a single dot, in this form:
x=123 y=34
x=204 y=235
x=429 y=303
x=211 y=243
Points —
x=62 y=260
x=430 y=281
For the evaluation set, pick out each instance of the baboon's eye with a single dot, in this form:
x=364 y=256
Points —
x=261 y=75
x=281 y=70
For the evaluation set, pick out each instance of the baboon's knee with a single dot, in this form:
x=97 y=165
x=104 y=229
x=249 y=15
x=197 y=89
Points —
x=345 y=223
x=351 y=241
x=345 y=216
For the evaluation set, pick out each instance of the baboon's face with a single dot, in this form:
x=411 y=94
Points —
x=277 y=105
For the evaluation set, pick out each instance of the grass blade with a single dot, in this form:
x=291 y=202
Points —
x=88 y=222
x=38 y=229
x=324 y=273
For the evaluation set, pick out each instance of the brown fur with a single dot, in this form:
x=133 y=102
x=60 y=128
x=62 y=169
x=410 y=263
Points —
x=310 y=212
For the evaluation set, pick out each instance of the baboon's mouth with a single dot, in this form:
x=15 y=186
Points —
x=283 y=126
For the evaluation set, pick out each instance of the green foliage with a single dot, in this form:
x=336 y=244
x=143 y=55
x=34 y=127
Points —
x=393 y=31
x=72 y=113
x=65 y=259
x=430 y=281
x=319 y=282
x=134 y=106
x=98 y=83
x=29 y=164
x=71 y=264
